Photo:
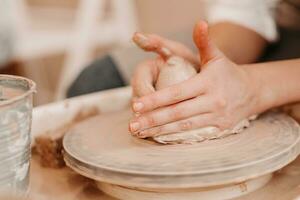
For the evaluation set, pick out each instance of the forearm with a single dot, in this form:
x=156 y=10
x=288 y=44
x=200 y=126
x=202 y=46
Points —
x=238 y=43
x=278 y=83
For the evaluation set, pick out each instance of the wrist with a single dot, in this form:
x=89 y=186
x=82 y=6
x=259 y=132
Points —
x=264 y=97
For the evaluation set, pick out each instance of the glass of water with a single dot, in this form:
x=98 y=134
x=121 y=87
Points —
x=15 y=124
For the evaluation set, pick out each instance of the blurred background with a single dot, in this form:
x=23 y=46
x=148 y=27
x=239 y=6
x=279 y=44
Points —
x=52 y=41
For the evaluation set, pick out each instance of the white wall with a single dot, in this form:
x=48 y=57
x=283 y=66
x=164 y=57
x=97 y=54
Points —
x=163 y=16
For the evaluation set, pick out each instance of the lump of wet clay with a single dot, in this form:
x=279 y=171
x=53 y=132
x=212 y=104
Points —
x=201 y=134
x=175 y=71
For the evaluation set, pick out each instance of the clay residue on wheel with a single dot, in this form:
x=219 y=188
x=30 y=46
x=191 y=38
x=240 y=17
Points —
x=48 y=146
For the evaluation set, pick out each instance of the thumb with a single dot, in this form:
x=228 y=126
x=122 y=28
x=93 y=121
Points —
x=207 y=50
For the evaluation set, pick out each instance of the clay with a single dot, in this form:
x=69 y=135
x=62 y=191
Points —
x=48 y=146
x=176 y=70
x=200 y=134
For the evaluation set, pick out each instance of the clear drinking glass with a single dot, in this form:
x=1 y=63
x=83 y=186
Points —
x=15 y=124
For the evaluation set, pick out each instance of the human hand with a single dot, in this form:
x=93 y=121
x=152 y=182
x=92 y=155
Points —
x=146 y=72
x=221 y=95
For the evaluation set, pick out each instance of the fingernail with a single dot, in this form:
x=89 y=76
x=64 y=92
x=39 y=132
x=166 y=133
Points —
x=137 y=106
x=166 y=52
x=137 y=114
x=142 y=134
x=134 y=133
x=143 y=38
x=134 y=126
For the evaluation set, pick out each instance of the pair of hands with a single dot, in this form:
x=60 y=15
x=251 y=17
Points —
x=221 y=95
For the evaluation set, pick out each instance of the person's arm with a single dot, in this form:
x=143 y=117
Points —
x=279 y=82
x=237 y=42
x=242 y=29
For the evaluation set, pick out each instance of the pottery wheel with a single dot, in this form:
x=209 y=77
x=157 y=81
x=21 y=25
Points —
x=102 y=148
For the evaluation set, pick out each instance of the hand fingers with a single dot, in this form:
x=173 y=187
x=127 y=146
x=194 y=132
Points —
x=164 y=47
x=179 y=92
x=177 y=49
x=153 y=44
x=195 y=122
x=208 y=51
x=182 y=110
x=145 y=76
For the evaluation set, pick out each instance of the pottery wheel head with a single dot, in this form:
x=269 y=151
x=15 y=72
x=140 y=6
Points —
x=102 y=148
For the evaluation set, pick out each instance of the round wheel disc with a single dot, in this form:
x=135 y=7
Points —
x=102 y=148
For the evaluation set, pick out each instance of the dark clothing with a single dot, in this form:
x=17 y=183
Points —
x=288 y=47
x=102 y=74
